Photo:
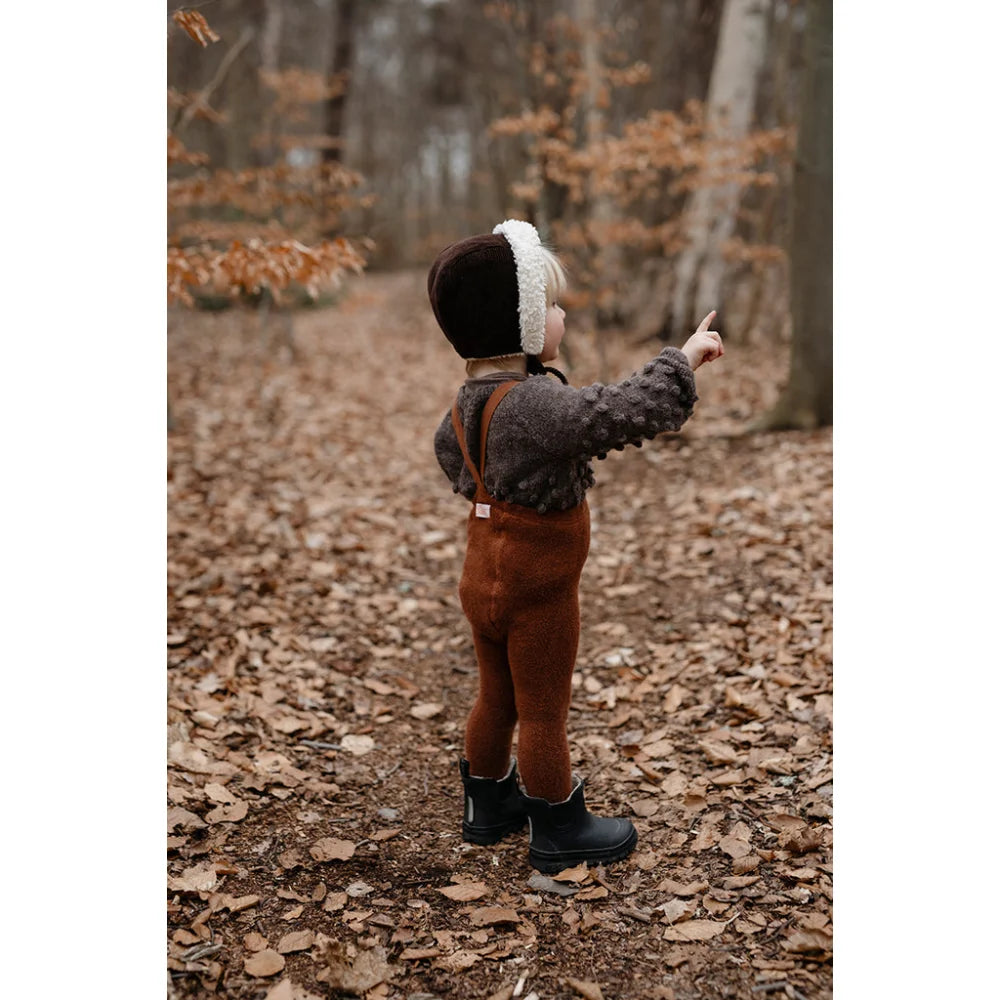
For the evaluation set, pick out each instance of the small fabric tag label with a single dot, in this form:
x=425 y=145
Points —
x=482 y=510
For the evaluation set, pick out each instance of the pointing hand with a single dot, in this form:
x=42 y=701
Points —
x=704 y=344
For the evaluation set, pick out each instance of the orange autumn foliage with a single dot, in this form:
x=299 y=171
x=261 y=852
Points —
x=263 y=228
x=638 y=173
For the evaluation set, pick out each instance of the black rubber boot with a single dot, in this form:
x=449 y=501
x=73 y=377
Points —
x=563 y=833
x=494 y=807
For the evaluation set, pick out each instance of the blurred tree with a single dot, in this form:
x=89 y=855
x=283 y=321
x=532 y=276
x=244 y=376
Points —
x=603 y=139
x=596 y=101
x=270 y=61
x=340 y=69
x=241 y=232
x=242 y=86
x=613 y=181
x=710 y=214
x=807 y=400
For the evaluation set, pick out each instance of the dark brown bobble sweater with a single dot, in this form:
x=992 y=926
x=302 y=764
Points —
x=544 y=433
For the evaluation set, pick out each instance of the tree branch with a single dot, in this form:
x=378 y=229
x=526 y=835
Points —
x=191 y=6
x=184 y=115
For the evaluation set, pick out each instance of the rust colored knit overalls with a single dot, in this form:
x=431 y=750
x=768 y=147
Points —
x=519 y=590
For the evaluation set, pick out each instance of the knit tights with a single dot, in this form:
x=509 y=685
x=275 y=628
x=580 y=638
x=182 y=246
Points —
x=527 y=679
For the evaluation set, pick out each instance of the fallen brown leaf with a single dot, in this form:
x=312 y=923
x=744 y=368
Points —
x=807 y=941
x=785 y=821
x=706 y=838
x=645 y=807
x=332 y=849
x=681 y=889
x=591 y=991
x=197 y=878
x=465 y=892
x=416 y=954
x=719 y=753
x=726 y=779
x=354 y=973
x=296 y=941
x=674 y=697
x=486 y=915
x=185 y=819
x=579 y=873
x=694 y=930
x=219 y=793
x=458 y=961
x=264 y=963
x=677 y=910
x=357 y=745
x=254 y=941
x=287 y=990
x=426 y=710
x=740 y=881
x=188 y=757
x=801 y=841
x=228 y=814
x=545 y=884
x=737 y=842
x=235 y=904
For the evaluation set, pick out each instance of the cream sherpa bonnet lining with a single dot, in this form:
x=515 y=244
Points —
x=530 y=263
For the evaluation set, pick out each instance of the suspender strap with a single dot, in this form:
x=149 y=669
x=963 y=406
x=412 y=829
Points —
x=460 y=434
x=491 y=404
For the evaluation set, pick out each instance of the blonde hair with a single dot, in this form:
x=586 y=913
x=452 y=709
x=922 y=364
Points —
x=555 y=277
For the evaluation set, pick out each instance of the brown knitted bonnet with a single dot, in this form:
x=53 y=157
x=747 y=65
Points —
x=488 y=292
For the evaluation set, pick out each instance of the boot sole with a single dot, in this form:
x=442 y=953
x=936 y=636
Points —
x=549 y=864
x=486 y=835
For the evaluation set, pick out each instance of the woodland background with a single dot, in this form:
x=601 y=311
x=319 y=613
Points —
x=678 y=156
x=657 y=145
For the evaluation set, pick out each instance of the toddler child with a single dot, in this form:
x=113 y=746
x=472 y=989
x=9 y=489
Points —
x=518 y=444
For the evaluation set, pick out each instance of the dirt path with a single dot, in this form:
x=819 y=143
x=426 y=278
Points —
x=320 y=671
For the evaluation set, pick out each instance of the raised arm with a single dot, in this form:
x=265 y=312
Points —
x=581 y=423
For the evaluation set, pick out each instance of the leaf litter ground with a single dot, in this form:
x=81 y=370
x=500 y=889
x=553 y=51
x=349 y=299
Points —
x=320 y=671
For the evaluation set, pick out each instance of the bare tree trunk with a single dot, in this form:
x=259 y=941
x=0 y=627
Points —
x=270 y=47
x=710 y=216
x=550 y=203
x=605 y=258
x=807 y=400
x=242 y=88
x=343 y=57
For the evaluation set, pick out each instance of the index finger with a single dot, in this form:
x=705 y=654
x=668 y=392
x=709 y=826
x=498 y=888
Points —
x=706 y=322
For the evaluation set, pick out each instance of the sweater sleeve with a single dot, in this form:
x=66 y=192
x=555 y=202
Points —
x=448 y=451
x=570 y=423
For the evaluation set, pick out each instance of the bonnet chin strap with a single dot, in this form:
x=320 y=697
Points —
x=535 y=367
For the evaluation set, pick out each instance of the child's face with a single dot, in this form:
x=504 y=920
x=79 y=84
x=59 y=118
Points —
x=554 y=330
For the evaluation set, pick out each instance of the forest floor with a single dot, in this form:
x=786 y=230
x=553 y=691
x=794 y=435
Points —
x=320 y=671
